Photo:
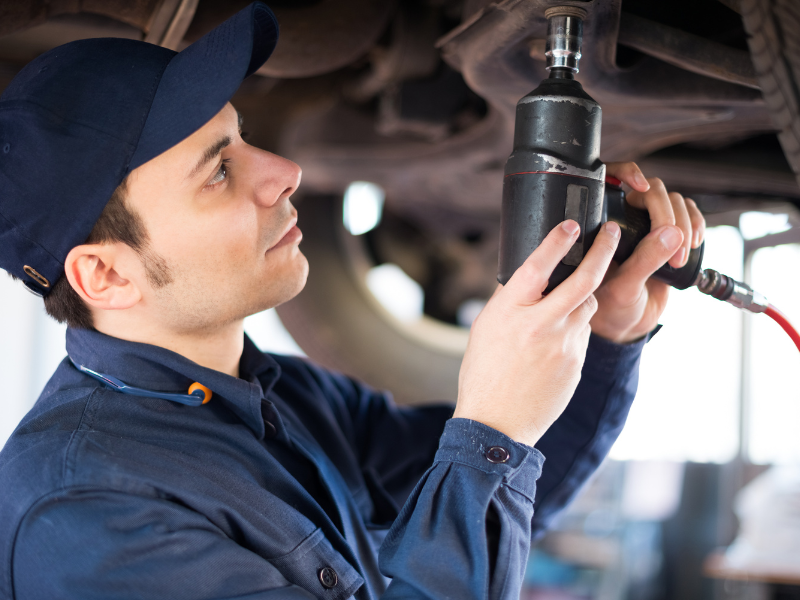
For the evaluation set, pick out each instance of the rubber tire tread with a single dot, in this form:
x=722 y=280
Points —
x=773 y=28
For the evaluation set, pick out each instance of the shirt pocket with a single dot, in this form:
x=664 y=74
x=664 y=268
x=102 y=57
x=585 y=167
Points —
x=316 y=567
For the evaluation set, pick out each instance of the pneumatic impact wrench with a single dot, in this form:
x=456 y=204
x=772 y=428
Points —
x=555 y=173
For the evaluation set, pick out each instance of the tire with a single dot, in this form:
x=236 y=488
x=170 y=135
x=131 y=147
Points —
x=338 y=322
x=773 y=28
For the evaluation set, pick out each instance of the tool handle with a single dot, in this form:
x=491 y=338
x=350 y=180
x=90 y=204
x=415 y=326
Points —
x=634 y=224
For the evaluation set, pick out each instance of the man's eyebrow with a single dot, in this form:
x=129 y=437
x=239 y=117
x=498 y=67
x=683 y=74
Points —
x=210 y=154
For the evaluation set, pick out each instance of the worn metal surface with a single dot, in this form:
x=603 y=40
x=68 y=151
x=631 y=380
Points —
x=687 y=51
x=170 y=22
x=16 y=15
x=444 y=171
x=316 y=37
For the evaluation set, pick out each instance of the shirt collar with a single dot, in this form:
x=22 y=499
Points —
x=155 y=368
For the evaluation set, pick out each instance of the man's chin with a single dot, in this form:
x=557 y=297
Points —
x=289 y=287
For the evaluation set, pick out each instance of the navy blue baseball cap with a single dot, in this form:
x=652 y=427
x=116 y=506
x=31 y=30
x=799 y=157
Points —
x=77 y=119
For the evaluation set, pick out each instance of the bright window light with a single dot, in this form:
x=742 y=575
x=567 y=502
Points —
x=755 y=225
x=396 y=291
x=469 y=311
x=267 y=332
x=363 y=207
x=774 y=397
x=687 y=404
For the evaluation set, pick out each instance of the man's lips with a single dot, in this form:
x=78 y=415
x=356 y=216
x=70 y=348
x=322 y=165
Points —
x=291 y=235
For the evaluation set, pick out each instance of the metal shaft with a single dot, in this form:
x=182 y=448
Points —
x=564 y=34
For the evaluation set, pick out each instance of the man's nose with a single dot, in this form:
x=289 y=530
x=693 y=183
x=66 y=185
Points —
x=277 y=178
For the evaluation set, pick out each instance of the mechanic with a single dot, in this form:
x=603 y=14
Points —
x=131 y=203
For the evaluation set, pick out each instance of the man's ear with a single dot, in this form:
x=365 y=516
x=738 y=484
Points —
x=103 y=275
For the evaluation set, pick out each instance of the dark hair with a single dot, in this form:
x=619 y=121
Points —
x=117 y=223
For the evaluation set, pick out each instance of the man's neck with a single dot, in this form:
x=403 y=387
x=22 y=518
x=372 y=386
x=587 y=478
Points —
x=219 y=349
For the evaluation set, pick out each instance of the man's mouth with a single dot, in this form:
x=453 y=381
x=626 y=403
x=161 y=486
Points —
x=291 y=235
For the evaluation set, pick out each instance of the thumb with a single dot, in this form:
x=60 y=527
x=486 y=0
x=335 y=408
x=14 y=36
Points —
x=649 y=256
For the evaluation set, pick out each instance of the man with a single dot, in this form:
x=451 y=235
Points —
x=168 y=457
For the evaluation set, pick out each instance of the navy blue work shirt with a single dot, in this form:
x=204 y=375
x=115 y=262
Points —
x=285 y=485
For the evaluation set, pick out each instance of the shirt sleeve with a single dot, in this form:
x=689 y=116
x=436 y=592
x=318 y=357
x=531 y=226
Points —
x=440 y=546
x=112 y=546
x=582 y=436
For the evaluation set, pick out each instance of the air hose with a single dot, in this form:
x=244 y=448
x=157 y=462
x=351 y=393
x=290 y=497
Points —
x=741 y=295
x=781 y=320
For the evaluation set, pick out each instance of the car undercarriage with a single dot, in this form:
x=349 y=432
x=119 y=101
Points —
x=418 y=97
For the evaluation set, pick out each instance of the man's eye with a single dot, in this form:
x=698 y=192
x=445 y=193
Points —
x=221 y=175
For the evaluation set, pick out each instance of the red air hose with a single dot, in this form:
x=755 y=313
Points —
x=781 y=320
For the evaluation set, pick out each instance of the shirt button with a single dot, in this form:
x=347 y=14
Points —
x=269 y=430
x=328 y=578
x=497 y=454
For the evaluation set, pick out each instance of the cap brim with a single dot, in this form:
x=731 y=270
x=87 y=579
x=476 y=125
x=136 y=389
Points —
x=200 y=80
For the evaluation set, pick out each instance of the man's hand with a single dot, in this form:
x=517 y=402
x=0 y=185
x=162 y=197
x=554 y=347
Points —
x=629 y=302
x=525 y=352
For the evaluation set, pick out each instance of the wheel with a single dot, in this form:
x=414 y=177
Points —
x=339 y=323
x=773 y=27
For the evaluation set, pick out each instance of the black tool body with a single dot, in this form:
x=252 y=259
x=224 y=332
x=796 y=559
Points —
x=554 y=173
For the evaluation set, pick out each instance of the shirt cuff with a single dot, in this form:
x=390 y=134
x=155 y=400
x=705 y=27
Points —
x=604 y=356
x=479 y=446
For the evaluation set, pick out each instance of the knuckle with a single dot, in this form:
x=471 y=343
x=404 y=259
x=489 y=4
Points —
x=657 y=185
x=676 y=197
x=616 y=297
x=590 y=304
x=649 y=254
x=531 y=276
x=609 y=244
x=588 y=281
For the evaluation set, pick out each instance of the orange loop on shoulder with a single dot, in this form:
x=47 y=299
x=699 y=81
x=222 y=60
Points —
x=199 y=386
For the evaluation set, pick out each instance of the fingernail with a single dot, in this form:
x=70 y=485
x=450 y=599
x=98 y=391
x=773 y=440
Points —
x=670 y=237
x=571 y=227
x=681 y=254
x=696 y=239
x=612 y=228
x=641 y=181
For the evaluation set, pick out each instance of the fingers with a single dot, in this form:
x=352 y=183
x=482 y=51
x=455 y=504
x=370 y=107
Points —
x=629 y=173
x=586 y=310
x=664 y=208
x=656 y=202
x=526 y=285
x=649 y=256
x=589 y=275
x=698 y=223
x=684 y=223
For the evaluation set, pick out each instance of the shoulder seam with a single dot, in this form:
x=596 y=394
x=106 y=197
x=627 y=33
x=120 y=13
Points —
x=69 y=467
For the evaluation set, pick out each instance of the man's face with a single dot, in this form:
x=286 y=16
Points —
x=217 y=211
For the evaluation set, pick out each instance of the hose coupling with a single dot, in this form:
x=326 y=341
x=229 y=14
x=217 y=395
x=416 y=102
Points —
x=727 y=289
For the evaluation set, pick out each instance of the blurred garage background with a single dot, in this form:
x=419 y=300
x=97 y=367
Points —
x=401 y=113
